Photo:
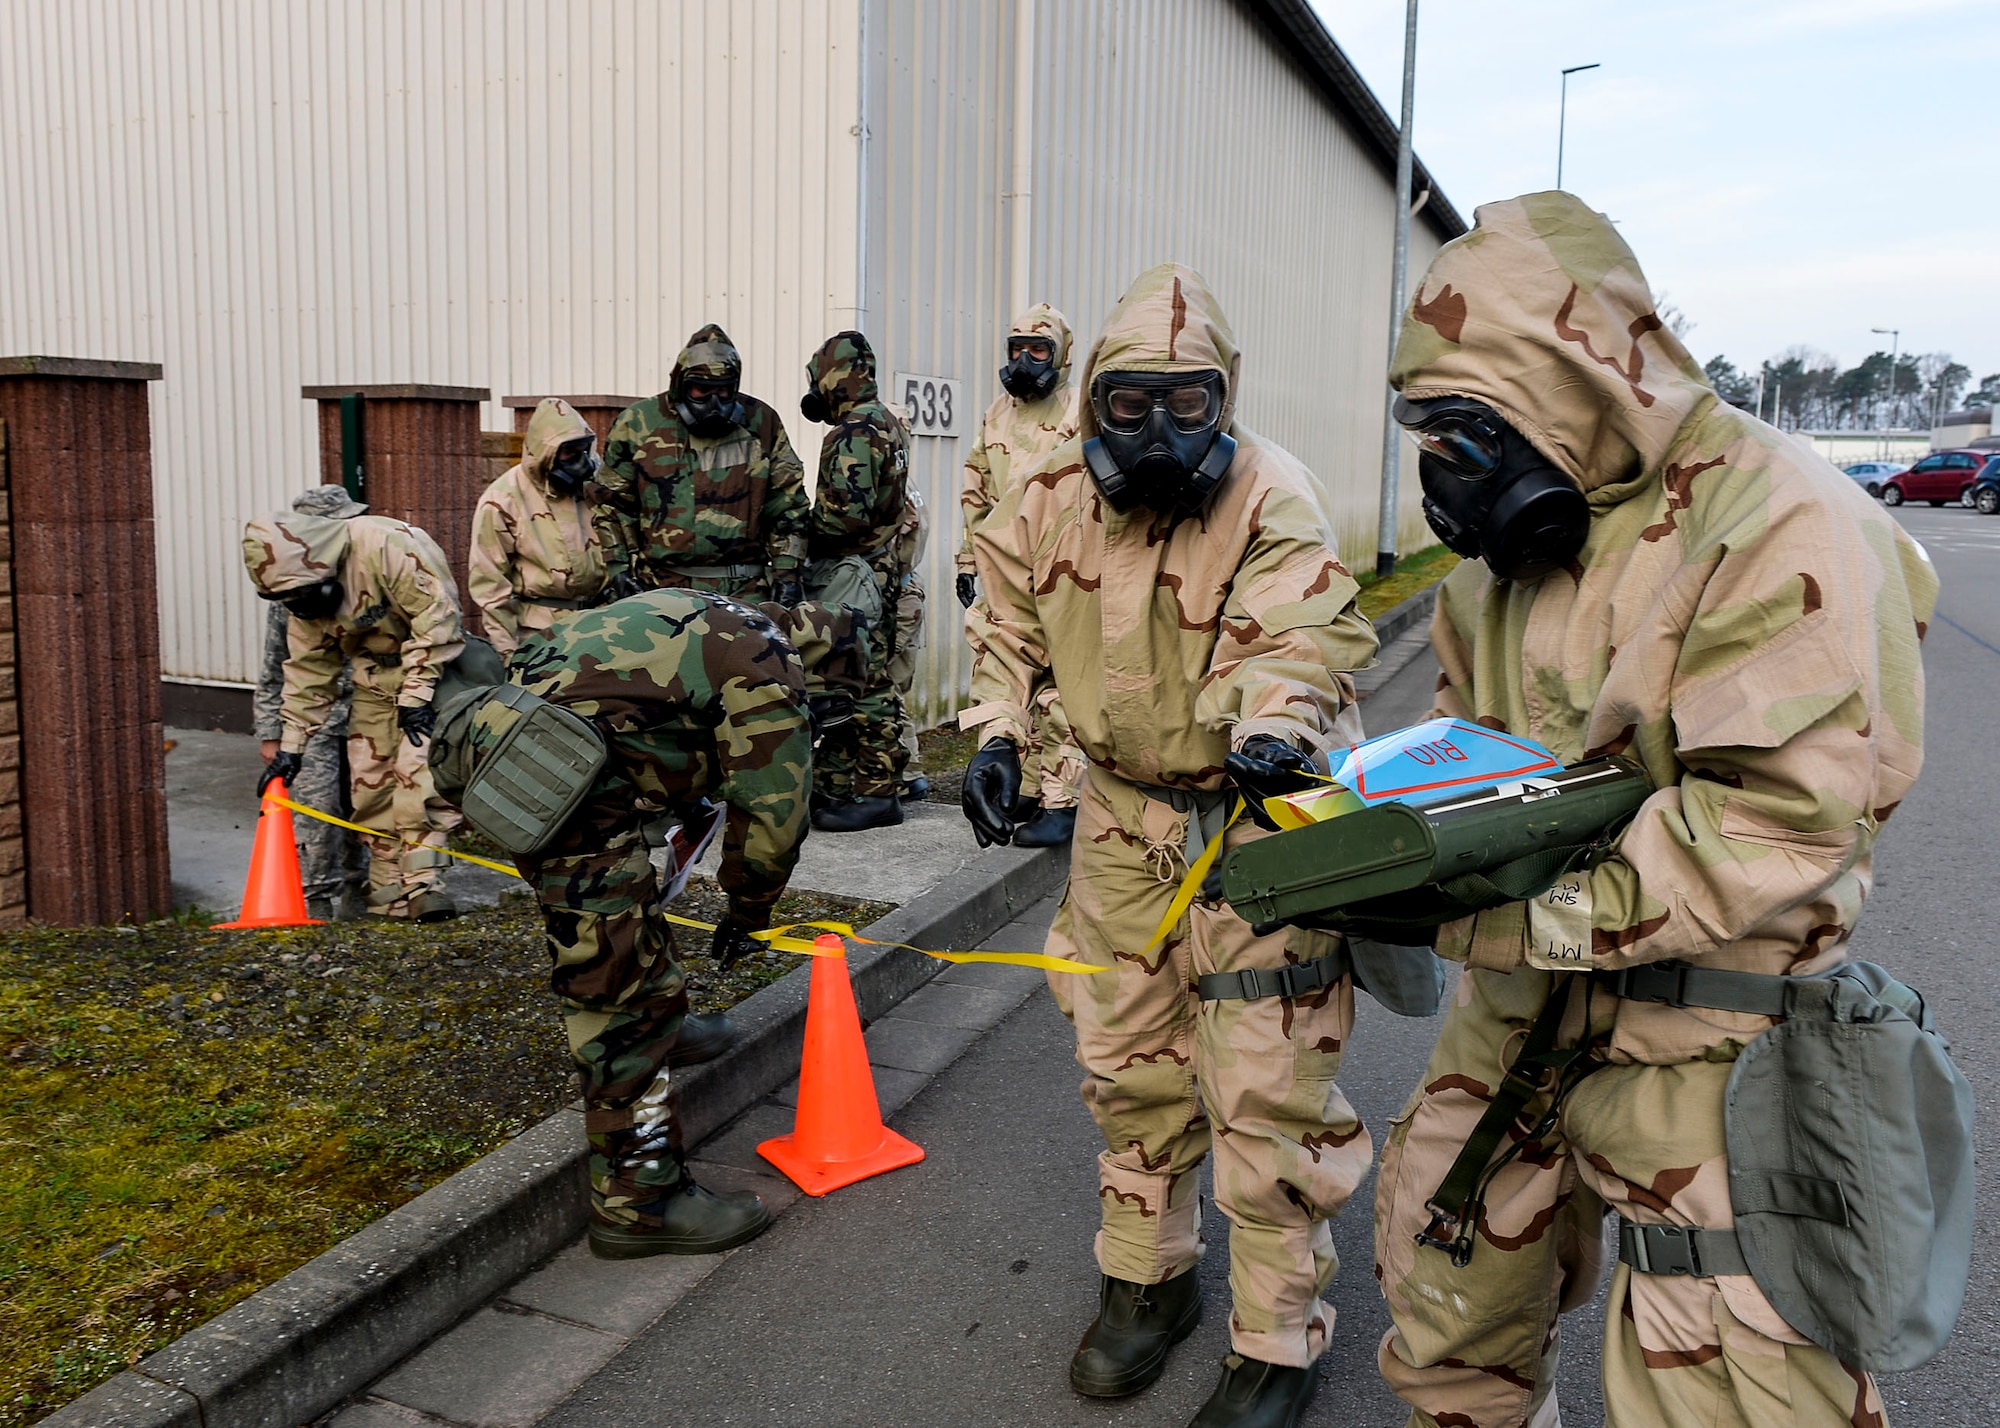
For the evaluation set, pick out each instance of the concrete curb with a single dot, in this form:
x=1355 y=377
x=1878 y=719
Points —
x=1399 y=618
x=295 y=1349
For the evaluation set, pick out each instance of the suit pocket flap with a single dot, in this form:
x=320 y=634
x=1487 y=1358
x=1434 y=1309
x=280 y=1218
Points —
x=1772 y=693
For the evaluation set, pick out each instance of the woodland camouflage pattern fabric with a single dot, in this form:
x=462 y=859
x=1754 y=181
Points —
x=912 y=539
x=858 y=508
x=1170 y=641
x=536 y=553
x=397 y=625
x=697 y=696
x=668 y=500
x=1745 y=625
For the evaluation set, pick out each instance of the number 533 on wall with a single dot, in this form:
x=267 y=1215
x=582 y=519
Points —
x=933 y=404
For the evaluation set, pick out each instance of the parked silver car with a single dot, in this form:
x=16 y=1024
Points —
x=1869 y=475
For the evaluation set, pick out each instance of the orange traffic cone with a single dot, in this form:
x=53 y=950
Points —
x=837 y=1136
x=273 y=895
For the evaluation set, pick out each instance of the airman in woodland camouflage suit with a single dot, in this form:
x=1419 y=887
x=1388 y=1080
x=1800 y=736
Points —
x=375 y=595
x=859 y=506
x=697 y=698
x=536 y=553
x=330 y=860
x=912 y=540
x=700 y=488
x=1017 y=433
x=1745 y=626
x=1173 y=637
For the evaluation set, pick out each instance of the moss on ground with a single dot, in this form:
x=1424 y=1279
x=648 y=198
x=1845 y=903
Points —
x=186 y=1115
x=1413 y=574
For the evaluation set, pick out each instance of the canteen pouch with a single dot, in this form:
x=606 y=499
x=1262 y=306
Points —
x=526 y=789
x=1850 y=1169
x=846 y=581
x=1409 y=981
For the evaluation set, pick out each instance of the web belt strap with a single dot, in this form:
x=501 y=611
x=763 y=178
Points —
x=1680 y=1250
x=1681 y=984
x=714 y=572
x=1299 y=979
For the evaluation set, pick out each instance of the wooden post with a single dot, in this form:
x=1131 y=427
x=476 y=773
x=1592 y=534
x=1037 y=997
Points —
x=85 y=835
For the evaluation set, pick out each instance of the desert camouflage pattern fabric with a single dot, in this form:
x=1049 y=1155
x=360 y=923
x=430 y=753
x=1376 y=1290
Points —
x=397 y=625
x=698 y=697
x=668 y=500
x=1015 y=437
x=536 y=553
x=1742 y=623
x=858 y=508
x=1170 y=641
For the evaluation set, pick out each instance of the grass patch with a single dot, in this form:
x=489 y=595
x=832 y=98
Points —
x=187 y=1115
x=1413 y=573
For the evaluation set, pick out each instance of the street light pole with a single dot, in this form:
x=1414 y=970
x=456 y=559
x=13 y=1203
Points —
x=1392 y=433
x=1562 y=115
x=1895 y=336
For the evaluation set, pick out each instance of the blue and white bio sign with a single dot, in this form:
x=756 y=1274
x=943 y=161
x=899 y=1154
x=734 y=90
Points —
x=934 y=405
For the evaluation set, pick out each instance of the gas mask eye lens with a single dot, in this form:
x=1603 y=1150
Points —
x=1035 y=349
x=1191 y=407
x=1127 y=407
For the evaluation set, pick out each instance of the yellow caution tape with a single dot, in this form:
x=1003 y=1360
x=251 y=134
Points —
x=778 y=937
x=1191 y=884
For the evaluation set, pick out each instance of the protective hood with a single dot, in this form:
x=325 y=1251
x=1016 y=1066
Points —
x=1041 y=320
x=1168 y=321
x=328 y=501
x=555 y=421
x=290 y=550
x=1542 y=313
x=843 y=373
x=710 y=356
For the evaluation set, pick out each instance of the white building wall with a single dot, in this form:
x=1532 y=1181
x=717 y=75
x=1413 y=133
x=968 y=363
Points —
x=529 y=197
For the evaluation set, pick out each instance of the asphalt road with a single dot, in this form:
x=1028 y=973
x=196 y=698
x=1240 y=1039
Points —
x=953 y=1292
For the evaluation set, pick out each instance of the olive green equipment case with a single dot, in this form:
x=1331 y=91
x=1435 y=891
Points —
x=543 y=767
x=1394 y=869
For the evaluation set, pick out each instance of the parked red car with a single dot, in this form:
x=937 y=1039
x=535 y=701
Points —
x=1940 y=477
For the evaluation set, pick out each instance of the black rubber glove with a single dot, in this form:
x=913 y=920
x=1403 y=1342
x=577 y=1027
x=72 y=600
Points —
x=788 y=591
x=620 y=587
x=1268 y=767
x=284 y=766
x=968 y=588
x=992 y=783
x=417 y=721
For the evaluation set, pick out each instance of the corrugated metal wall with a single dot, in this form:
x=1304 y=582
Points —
x=530 y=197
x=1257 y=183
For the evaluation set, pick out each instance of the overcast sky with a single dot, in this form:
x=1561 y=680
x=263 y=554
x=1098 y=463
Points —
x=1788 y=171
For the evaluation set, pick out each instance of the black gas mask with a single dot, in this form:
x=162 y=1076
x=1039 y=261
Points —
x=710 y=406
x=1031 y=372
x=310 y=602
x=1489 y=494
x=1160 y=442
x=813 y=407
x=574 y=463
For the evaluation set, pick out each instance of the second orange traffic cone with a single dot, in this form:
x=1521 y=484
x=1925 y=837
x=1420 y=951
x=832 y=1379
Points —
x=837 y=1137
x=274 y=895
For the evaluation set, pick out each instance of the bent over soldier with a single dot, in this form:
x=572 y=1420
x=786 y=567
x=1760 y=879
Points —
x=1661 y=576
x=694 y=698
x=858 y=561
x=700 y=488
x=535 y=550
x=374 y=595
x=1171 y=574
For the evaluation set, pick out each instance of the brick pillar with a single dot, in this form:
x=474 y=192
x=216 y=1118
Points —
x=599 y=410
x=420 y=457
x=501 y=451
x=91 y=814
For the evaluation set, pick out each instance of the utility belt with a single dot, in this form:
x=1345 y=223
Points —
x=1849 y=1139
x=713 y=572
x=550 y=602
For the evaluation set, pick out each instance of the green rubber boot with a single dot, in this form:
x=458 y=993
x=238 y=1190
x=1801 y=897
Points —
x=690 y=1220
x=1254 y=1394
x=1125 y=1347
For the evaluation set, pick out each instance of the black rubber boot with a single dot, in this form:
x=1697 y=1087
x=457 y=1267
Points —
x=702 y=1038
x=1050 y=828
x=916 y=788
x=1254 y=1394
x=1125 y=1347
x=1024 y=807
x=692 y=1221
x=858 y=814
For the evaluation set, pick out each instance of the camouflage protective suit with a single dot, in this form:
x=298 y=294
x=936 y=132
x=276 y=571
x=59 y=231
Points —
x=329 y=857
x=1171 y=641
x=536 y=553
x=724 y=513
x=1014 y=438
x=912 y=539
x=397 y=625
x=1745 y=625
x=858 y=509
x=697 y=697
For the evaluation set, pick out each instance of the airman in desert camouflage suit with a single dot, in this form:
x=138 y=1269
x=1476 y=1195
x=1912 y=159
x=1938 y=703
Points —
x=1016 y=434
x=536 y=553
x=1744 y=625
x=329 y=858
x=375 y=595
x=698 y=698
x=1174 y=637
x=701 y=489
